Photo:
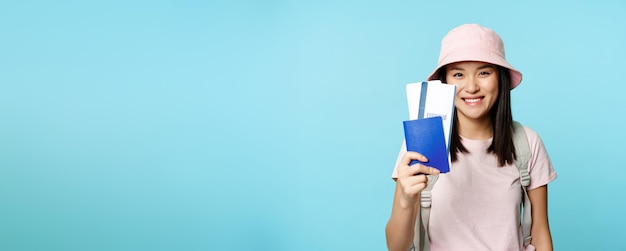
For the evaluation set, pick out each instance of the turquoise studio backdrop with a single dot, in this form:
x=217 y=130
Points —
x=274 y=125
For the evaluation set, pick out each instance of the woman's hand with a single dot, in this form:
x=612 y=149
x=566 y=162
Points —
x=411 y=184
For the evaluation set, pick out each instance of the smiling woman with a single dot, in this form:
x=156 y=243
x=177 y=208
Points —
x=484 y=83
x=476 y=206
x=477 y=86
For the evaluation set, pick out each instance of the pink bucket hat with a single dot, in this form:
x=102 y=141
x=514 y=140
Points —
x=471 y=42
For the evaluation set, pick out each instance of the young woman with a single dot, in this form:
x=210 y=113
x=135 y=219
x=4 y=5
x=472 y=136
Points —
x=476 y=206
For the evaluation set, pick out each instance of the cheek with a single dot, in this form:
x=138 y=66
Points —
x=491 y=86
x=494 y=93
x=458 y=85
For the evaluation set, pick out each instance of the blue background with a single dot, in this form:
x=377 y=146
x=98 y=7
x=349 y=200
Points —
x=274 y=125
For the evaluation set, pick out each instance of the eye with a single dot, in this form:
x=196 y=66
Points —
x=457 y=75
x=484 y=73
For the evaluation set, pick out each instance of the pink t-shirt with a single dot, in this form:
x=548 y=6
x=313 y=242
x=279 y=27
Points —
x=476 y=206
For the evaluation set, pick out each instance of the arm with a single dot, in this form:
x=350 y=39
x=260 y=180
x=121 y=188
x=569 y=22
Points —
x=540 y=229
x=400 y=228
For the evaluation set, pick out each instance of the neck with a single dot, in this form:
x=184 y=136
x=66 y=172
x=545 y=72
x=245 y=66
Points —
x=475 y=129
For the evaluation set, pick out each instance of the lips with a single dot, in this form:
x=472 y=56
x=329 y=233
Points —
x=472 y=101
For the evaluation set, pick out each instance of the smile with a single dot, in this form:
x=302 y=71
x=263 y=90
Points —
x=472 y=100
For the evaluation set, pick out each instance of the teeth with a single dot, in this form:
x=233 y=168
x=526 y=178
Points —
x=473 y=100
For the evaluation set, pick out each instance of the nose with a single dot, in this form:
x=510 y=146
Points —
x=471 y=86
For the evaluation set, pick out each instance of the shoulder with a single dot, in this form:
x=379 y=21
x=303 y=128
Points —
x=535 y=144
x=540 y=167
x=534 y=141
x=532 y=135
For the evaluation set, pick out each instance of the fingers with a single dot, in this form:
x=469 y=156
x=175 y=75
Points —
x=408 y=156
x=415 y=184
x=405 y=170
x=410 y=182
x=416 y=169
x=411 y=187
x=422 y=169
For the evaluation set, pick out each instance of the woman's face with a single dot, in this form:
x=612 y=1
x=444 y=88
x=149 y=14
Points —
x=477 y=88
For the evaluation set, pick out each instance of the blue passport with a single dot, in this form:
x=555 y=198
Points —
x=426 y=136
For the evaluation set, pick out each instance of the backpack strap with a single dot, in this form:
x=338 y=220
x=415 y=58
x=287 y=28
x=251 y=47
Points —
x=522 y=154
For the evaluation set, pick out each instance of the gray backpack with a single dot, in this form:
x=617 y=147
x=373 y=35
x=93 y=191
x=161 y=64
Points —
x=421 y=239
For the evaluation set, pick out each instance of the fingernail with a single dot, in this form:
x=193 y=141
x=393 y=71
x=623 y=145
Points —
x=435 y=171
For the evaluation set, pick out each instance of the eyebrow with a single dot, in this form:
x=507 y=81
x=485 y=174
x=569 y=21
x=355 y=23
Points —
x=485 y=66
